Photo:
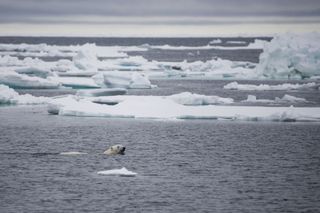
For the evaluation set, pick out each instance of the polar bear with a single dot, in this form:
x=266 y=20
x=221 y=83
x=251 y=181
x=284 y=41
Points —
x=115 y=149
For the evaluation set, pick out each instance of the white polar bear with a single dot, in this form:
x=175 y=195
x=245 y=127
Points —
x=115 y=149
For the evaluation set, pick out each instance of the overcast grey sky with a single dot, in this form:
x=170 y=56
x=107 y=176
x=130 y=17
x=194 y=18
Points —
x=156 y=12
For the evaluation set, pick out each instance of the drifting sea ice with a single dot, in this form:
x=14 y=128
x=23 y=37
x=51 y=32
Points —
x=123 y=79
x=118 y=172
x=217 y=68
x=163 y=108
x=15 y=80
x=75 y=82
x=9 y=96
x=286 y=86
x=285 y=99
x=192 y=99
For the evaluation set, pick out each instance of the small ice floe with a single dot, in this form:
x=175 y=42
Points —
x=285 y=99
x=286 y=86
x=10 y=96
x=16 y=80
x=73 y=153
x=123 y=172
x=123 y=79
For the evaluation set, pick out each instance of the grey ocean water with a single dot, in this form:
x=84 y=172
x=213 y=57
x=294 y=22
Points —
x=182 y=166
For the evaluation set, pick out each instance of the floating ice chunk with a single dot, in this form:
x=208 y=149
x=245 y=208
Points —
x=101 y=92
x=257 y=44
x=236 y=42
x=155 y=107
x=73 y=153
x=187 y=98
x=9 y=96
x=132 y=63
x=76 y=82
x=285 y=99
x=286 y=86
x=215 y=41
x=291 y=56
x=119 y=172
x=218 y=67
x=290 y=98
x=122 y=79
x=16 y=80
x=35 y=71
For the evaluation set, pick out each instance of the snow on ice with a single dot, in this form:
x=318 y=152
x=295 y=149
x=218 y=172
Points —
x=9 y=96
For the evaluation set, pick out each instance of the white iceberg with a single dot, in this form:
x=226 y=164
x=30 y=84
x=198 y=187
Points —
x=16 y=80
x=285 y=99
x=9 y=96
x=286 y=86
x=154 y=107
x=291 y=56
x=118 y=172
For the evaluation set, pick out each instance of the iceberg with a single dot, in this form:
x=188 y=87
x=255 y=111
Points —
x=9 y=96
x=286 y=86
x=291 y=56
x=123 y=172
x=15 y=80
x=285 y=99
x=157 y=107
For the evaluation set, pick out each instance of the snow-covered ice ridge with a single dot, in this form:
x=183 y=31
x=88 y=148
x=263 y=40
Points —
x=157 y=107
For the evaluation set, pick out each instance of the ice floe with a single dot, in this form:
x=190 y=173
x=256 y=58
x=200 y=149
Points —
x=286 y=86
x=157 y=107
x=15 y=80
x=76 y=82
x=285 y=99
x=73 y=153
x=215 y=68
x=123 y=79
x=187 y=98
x=118 y=172
x=9 y=96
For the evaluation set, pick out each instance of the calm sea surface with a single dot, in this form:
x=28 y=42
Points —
x=182 y=166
